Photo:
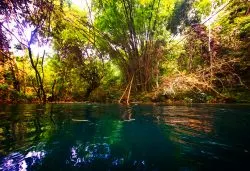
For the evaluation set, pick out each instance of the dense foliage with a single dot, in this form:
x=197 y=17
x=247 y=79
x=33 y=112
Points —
x=106 y=50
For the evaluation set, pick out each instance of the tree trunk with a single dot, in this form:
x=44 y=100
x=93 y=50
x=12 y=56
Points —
x=41 y=92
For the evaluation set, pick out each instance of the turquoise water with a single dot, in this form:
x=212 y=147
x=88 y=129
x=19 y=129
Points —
x=115 y=137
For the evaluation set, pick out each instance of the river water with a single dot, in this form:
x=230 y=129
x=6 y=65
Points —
x=116 y=137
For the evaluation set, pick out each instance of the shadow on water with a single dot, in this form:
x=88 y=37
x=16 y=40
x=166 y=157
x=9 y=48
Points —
x=117 y=137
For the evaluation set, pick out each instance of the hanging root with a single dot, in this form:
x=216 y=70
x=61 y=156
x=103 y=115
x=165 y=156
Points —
x=127 y=91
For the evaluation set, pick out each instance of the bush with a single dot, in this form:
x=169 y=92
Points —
x=4 y=87
x=98 y=95
x=4 y=91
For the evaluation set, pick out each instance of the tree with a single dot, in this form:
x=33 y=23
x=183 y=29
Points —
x=33 y=15
x=74 y=44
x=134 y=36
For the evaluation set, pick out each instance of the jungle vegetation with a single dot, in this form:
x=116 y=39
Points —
x=125 y=50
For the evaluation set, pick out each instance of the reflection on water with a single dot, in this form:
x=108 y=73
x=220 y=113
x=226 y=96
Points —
x=113 y=137
x=81 y=155
x=187 y=122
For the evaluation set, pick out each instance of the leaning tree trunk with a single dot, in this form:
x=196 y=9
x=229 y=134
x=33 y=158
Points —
x=41 y=94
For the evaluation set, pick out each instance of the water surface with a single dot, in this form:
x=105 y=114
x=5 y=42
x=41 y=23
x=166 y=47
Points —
x=115 y=137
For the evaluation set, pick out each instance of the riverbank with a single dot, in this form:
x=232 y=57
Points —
x=167 y=103
x=188 y=97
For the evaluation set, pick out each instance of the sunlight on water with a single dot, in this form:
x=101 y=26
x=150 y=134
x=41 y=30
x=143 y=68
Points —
x=18 y=161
